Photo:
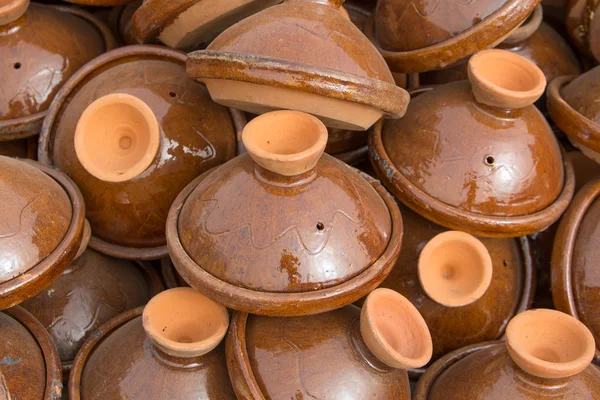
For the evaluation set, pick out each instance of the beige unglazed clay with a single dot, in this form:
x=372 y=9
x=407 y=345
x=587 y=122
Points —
x=394 y=330
x=455 y=269
x=285 y=142
x=11 y=10
x=117 y=137
x=185 y=323
x=549 y=343
x=500 y=78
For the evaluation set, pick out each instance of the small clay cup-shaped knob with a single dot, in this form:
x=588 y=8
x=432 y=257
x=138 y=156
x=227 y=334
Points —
x=502 y=79
x=549 y=344
x=455 y=269
x=182 y=322
x=117 y=137
x=11 y=10
x=394 y=330
x=285 y=142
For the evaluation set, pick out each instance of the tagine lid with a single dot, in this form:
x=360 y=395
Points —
x=100 y=3
x=573 y=106
x=495 y=191
x=38 y=57
x=43 y=218
x=297 y=53
x=30 y=367
x=321 y=236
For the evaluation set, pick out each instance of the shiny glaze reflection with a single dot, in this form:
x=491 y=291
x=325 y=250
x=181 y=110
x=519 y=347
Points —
x=320 y=356
x=491 y=374
x=36 y=214
x=39 y=52
x=255 y=229
x=473 y=157
x=196 y=135
x=583 y=93
x=125 y=365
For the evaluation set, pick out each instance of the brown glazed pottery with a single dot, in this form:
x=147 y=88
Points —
x=41 y=230
x=575 y=278
x=41 y=46
x=188 y=24
x=347 y=353
x=510 y=289
x=20 y=148
x=574 y=106
x=132 y=130
x=348 y=146
x=170 y=351
x=29 y=363
x=170 y=275
x=583 y=27
x=546 y=356
x=512 y=181
x=301 y=55
x=284 y=230
x=119 y=21
x=417 y=36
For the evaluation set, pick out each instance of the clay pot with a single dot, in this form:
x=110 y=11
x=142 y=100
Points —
x=493 y=191
x=29 y=364
x=289 y=208
x=547 y=355
x=347 y=146
x=583 y=27
x=346 y=352
x=158 y=130
x=120 y=22
x=170 y=275
x=276 y=60
x=21 y=148
x=42 y=227
x=173 y=351
x=41 y=46
x=431 y=254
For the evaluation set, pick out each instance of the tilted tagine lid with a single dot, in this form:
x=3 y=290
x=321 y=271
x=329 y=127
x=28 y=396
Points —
x=29 y=363
x=417 y=36
x=466 y=288
x=190 y=23
x=546 y=355
x=285 y=229
x=132 y=130
x=346 y=353
x=300 y=55
x=574 y=106
x=575 y=278
x=583 y=26
x=478 y=156
x=41 y=46
x=42 y=214
x=171 y=350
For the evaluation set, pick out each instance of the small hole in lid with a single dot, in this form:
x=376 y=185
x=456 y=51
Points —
x=489 y=160
x=172 y=94
x=320 y=226
x=17 y=65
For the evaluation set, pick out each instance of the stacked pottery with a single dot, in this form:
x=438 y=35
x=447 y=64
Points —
x=583 y=27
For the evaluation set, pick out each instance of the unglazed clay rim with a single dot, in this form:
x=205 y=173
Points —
x=274 y=303
x=15 y=290
x=574 y=124
x=385 y=97
x=64 y=96
x=54 y=384
x=16 y=8
x=30 y=125
x=561 y=263
x=450 y=216
x=91 y=343
x=444 y=53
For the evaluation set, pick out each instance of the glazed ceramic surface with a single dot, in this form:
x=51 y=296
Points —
x=583 y=27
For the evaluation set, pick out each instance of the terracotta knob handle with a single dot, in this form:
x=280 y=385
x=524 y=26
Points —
x=394 y=330
x=549 y=344
x=117 y=137
x=85 y=240
x=11 y=10
x=527 y=28
x=184 y=323
x=503 y=79
x=455 y=269
x=285 y=142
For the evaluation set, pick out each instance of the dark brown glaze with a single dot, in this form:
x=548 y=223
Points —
x=170 y=275
x=359 y=12
x=29 y=363
x=119 y=21
x=583 y=27
x=486 y=371
x=103 y=370
x=42 y=227
x=20 y=148
x=38 y=57
x=290 y=250
x=128 y=218
x=319 y=356
x=514 y=181
x=510 y=291
x=92 y=290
